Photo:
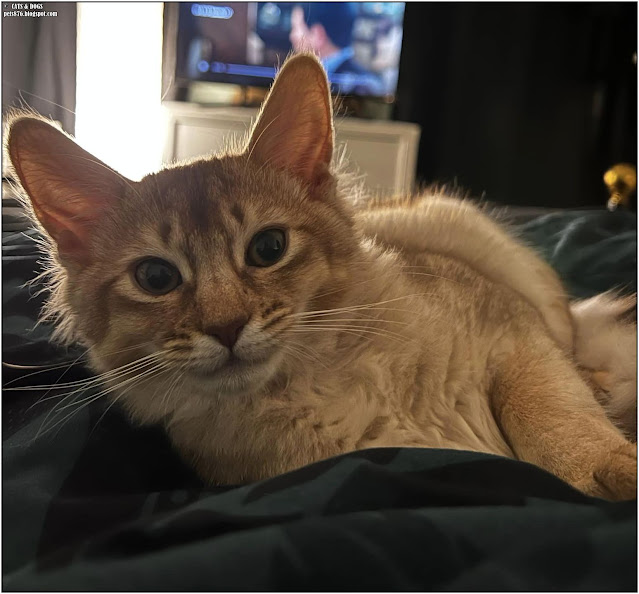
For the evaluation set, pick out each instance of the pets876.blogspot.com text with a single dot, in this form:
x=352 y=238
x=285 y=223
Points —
x=26 y=9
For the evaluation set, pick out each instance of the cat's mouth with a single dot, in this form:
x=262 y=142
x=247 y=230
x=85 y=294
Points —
x=235 y=374
x=208 y=368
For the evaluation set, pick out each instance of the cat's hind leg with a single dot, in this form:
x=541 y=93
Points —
x=549 y=417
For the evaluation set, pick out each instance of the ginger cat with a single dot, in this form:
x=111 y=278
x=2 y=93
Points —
x=267 y=320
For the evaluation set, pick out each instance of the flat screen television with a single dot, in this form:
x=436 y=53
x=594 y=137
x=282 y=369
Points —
x=244 y=43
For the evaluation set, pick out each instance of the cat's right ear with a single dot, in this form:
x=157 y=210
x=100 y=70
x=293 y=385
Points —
x=294 y=132
x=68 y=187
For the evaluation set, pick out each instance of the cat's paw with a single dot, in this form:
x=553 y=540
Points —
x=615 y=477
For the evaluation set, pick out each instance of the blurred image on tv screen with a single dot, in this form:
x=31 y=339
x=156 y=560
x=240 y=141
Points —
x=359 y=43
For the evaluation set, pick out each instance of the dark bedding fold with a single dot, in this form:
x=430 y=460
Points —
x=97 y=504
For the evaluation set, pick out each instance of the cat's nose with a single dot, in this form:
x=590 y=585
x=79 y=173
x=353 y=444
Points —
x=227 y=334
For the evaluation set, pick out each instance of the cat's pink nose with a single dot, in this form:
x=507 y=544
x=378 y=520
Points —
x=227 y=334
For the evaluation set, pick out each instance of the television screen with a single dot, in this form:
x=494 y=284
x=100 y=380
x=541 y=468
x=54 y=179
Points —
x=359 y=43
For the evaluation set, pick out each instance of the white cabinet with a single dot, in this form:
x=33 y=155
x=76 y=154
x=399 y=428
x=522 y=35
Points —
x=383 y=152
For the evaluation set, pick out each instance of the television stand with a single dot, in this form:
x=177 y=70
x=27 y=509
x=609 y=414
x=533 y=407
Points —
x=383 y=152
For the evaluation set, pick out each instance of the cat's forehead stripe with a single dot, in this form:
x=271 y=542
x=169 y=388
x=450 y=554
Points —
x=237 y=213
x=200 y=211
x=165 y=231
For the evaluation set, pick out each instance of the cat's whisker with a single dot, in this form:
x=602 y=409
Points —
x=334 y=312
x=365 y=323
x=108 y=408
x=437 y=276
x=362 y=306
x=179 y=374
x=296 y=353
x=347 y=287
x=355 y=331
x=130 y=348
x=83 y=386
x=181 y=378
x=119 y=381
x=352 y=332
x=91 y=383
x=313 y=324
x=42 y=368
x=61 y=376
x=86 y=402
x=130 y=367
x=117 y=398
x=360 y=319
x=313 y=355
x=405 y=268
x=49 y=387
x=351 y=309
x=67 y=366
x=96 y=379
x=54 y=366
x=325 y=319
x=343 y=289
x=157 y=388
x=351 y=329
x=42 y=430
x=166 y=398
x=56 y=409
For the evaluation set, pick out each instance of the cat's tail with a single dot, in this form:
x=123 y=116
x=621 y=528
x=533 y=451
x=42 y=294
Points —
x=605 y=347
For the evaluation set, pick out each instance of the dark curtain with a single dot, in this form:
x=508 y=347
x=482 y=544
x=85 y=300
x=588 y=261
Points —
x=524 y=103
x=39 y=63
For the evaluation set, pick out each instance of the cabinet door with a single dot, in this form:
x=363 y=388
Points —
x=381 y=159
x=193 y=138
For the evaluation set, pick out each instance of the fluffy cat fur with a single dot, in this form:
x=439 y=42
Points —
x=409 y=322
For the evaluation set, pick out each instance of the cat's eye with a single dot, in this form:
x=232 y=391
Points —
x=157 y=276
x=266 y=248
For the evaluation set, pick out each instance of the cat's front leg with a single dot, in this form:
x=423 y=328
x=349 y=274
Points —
x=550 y=417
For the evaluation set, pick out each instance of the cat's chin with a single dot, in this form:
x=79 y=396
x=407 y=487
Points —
x=236 y=376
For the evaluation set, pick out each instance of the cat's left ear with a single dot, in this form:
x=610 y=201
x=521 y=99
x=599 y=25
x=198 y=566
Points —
x=294 y=132
x=68 y=187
